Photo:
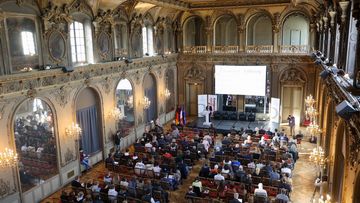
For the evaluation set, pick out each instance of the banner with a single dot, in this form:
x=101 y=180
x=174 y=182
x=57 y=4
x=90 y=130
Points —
x=275 y=110
x=212 y=101
x=202 y=103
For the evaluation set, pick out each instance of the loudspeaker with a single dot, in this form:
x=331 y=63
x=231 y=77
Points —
x=67 y=69
x=345 y=110
x=324 y=74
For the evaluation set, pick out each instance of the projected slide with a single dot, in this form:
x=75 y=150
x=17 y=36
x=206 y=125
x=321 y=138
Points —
x=240 y=80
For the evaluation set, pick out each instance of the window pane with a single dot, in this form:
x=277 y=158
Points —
x=28 y=43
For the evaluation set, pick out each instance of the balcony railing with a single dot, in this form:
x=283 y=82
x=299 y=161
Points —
x=251 y=49
x=259 y=49
x=294 y=49
x=225 y=49
x=195 y=49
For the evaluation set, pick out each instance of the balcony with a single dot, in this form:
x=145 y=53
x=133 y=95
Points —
x=250 y=49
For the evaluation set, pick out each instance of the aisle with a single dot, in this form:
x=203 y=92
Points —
x=304 y=176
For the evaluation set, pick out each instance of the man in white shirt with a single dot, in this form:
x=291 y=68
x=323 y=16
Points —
x=260 y=192
x=286 y=170
x=219 y=177
x=112 y=193
x=148 y=146
x=140 y=168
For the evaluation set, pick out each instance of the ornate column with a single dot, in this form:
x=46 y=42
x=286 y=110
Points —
x=241 y=33
x=276 y=30
x=242 y=38
x=344 y=26
x=326 y=35
x=209 y=34
x=332 y=15
x=356 y=15
x=321 y=38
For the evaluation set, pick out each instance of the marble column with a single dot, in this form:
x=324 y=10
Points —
x=356 y=81
x=242 y=38
x=313 y=37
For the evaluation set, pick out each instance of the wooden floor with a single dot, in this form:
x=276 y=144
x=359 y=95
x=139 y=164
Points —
x=304 y=176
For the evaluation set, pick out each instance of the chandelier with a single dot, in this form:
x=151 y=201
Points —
x=322 y=199
x=116 y=114
x=167 y=93
x=146 y=102
x=73 y=131
x=8 y=158
x=309 y=101
x=317 y=156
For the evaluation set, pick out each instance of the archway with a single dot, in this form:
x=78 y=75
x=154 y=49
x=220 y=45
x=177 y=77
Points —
x=225 y=31
x=339 y=162
x=259 y=30
x=35 y=142
x=292 y=93
x=88 y=116
x=295 y=30
x=150 y=92
x=194 y=32
x=125 y=103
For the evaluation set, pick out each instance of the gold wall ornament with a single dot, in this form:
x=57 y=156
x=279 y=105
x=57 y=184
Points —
x=62 y=95
x=69 y=156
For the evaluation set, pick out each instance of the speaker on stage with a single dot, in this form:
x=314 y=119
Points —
x=345 y=110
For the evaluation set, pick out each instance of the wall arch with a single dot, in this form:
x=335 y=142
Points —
x=88 y=113
x=194 y=31
x=295 y=29
x=225 y=31
x=38 y=155
x=259 y=29
x=150 y=91
x=125 y=102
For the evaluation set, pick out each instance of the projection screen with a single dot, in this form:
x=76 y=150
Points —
x=240 y=80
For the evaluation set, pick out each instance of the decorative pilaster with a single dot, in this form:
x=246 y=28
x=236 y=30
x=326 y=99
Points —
x=332 y=15
x=321 y=38
x=276 y=30
x=313 y=30
x=344 y=26
x=241 y=28
x=209 y=33
x=326 y=34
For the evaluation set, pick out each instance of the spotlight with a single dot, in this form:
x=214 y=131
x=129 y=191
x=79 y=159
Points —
x=120 y=58
x=345 y=110
x=324 y=74
x=318 y=62
x=127 y=61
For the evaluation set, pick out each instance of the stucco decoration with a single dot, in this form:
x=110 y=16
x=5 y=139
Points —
x=293 y=76
x=106 y=84
x=62 y=95
x=194 y=73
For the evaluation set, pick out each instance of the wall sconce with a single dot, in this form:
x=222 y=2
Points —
x=8 y=158
x=167 y=93
x=73 y=131
x=146 y=102
x=116 y=114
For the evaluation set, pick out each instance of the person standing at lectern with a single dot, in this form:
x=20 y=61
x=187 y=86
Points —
x=209 y=108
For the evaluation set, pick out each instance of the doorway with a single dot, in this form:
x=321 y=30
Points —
x=292 y=100
x=192 y=92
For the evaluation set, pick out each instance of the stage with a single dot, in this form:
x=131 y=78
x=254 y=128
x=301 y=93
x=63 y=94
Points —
x=224 y=126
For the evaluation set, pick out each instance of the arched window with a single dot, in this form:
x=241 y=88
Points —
x=121 y=39
x=77 y=40
x=35 y=143
x=148 y=41
x=81 y=40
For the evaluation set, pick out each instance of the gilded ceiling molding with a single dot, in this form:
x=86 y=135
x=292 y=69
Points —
x=79 y=6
